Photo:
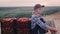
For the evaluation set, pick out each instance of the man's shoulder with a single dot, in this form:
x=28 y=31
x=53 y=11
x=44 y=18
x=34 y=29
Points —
x=35 y=17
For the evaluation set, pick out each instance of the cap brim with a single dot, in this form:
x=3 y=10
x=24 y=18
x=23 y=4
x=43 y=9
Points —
x=42 y=6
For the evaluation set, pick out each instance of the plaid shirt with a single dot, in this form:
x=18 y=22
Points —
x=35 y=19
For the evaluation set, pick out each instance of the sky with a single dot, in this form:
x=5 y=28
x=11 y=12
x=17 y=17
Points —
x=12 y=3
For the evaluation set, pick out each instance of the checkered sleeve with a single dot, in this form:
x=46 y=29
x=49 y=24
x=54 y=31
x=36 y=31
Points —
x=37 y=20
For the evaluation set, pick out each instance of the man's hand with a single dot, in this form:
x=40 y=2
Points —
x=55 y=29
x=52 y=28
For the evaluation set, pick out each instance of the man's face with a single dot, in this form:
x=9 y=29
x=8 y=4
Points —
x=39 y=10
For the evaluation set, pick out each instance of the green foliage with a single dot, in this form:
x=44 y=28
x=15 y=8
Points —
x=25 y=11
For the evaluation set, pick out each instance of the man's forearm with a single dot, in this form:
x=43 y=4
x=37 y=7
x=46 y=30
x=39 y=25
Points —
x=51 y=28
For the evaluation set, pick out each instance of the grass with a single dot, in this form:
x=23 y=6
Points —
x=25 y=11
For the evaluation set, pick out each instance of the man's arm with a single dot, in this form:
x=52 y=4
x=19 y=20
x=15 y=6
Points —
x=43 y=25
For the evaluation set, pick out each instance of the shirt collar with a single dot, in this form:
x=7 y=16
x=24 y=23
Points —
x=37 y=14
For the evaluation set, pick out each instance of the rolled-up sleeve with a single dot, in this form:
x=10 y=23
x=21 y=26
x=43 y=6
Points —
x=37 y=20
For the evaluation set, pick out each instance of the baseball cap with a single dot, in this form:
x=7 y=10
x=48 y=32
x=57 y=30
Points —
x=38 y=6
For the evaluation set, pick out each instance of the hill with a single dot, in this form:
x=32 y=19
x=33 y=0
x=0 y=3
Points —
x=25 y=11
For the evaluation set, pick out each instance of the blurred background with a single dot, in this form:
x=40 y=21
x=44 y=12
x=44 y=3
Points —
x=26 y=11
x=24 y=8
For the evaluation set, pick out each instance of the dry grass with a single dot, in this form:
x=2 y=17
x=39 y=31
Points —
x=56 y=18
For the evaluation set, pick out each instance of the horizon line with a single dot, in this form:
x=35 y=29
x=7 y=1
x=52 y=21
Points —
x=24 y=6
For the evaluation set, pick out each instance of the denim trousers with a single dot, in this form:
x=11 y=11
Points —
x=37 y=30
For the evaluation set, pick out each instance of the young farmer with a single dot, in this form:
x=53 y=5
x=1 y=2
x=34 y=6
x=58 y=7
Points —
x=38 y=26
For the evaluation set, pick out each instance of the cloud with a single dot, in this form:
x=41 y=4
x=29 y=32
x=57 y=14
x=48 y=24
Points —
x=29 y=2
x=53 y=3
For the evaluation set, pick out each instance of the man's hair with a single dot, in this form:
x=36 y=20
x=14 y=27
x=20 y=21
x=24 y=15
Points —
x=37 y=6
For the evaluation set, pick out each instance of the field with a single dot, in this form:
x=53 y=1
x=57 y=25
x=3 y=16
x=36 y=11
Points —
x=56 y=18
x=25 y=11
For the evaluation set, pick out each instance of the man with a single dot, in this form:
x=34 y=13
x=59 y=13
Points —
x=38 y=25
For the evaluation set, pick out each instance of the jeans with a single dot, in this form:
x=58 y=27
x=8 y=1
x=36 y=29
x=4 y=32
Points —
x=37 y=30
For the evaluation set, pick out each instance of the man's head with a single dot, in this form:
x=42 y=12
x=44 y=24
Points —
x=38 y=8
